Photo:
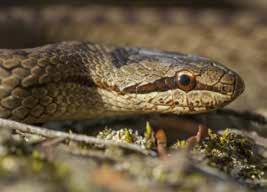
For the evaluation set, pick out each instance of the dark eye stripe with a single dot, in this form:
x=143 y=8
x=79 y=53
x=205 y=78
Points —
x=183 y=80
x=170 y=82
x=160 y=85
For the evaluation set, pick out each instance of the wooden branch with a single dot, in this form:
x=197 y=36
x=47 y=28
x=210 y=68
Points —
x=9 y=124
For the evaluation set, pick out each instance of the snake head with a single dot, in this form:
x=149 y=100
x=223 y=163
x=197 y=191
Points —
x=170 y=82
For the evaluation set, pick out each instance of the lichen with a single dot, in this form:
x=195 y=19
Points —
x=147 y=140
x=233 y=154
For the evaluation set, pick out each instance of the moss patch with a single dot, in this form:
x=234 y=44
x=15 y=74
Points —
x=234 y=154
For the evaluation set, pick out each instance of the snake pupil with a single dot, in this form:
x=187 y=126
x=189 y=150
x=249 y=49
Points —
x=184 y=80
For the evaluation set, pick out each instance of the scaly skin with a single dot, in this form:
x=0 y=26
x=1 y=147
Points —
x=235 y=38
x=78 y=80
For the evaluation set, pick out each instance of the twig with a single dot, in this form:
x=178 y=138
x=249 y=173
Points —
x=51 y=142
x=4 y=123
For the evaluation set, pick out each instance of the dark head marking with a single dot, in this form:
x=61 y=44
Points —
x=121 y=56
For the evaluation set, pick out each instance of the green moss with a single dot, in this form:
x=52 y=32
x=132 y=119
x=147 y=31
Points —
x=149 y=136
x=180 y=144
x=233 y=154
x=148 y=132
x=130 y=136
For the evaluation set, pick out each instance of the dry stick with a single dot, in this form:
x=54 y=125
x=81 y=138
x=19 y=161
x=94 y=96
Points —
x=4 y=123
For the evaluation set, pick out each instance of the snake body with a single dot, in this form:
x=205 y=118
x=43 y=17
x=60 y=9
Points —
x=78 y=80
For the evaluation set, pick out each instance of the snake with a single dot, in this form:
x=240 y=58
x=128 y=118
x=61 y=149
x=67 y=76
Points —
x=80 y=80
x=85 y=79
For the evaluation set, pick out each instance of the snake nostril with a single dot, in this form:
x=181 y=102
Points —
x=239 y=87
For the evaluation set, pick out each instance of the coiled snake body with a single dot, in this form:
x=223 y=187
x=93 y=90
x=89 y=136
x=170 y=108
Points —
x=78 y=80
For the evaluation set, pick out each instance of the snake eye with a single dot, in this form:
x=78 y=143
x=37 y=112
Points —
x=186 y=81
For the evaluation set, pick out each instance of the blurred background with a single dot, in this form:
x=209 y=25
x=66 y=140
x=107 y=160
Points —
x=191 y=3
x=231 y=32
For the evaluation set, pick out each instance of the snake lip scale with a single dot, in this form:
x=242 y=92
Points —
x=81 y=80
